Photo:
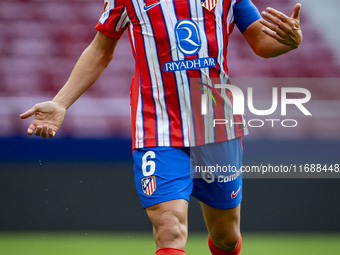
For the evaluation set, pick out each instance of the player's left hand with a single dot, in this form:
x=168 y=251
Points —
x=282 y=28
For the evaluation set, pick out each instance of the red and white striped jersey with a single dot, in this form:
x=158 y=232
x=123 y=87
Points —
x=176 y=43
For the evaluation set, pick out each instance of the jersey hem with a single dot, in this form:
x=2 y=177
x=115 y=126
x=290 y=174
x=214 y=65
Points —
x=216 y=205
x=180 y=144
x=108 y=31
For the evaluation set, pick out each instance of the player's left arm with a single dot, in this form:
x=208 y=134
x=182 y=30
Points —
x=276 y=35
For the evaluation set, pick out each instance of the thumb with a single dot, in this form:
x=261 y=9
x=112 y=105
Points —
x=28 y=113
x=296 y=11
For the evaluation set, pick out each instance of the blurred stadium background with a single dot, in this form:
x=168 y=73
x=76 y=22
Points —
x=75 y=194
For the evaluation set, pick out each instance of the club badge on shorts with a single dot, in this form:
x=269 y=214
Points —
x=209 y=4
x=149 y=185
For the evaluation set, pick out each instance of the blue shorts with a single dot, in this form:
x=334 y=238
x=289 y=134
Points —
x=211 y=173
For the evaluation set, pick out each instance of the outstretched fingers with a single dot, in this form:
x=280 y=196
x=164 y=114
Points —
x=47 y=131
x=280 y=22
x=50 y=132
x=48 y=118
x=28 y=113
x=282 y=28
x=271 y=29
x=281 y=16
x=273 y=34
x=296 y=12
x=38 y=130
x=43 y=131
x=31 y=129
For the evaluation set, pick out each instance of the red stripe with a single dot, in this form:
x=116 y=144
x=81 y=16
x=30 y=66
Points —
x=148 y=189
x=225 y=35
x=237 y=118
x=134 y=98
x=198 y=118
x=149 y=111
x=153 y=184
x=220 y=130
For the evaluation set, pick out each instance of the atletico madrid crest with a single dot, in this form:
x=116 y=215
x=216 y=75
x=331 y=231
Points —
x=209 y=4
x=149 y=185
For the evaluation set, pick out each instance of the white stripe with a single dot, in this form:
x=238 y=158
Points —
x=106 y=13
x=188 y=127
x=230 y=16
x=127 y=20
x=245 y=129
x=122 y=20
x=104 y=16
x=220 y=58
x=228 y=115
x=220 y=38
x=139 y=132
x=198 y=17
x=155 y=71
x=148 y=189
x=152 y=185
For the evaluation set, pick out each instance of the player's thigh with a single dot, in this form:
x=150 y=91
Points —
x=174 y=213
x=170 y=223
x=162 y=174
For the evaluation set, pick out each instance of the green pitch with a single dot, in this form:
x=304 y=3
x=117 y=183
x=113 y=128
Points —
x=17 y=243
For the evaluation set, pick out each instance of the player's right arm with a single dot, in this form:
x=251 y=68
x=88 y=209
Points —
x=50 y=115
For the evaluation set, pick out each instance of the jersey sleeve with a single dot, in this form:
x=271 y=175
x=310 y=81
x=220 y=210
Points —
x=245 y=13
x=114 y=19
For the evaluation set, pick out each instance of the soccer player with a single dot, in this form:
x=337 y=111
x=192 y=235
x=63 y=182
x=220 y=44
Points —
x=175 y=42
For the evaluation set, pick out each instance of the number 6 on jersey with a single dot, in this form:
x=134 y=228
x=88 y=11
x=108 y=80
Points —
x=147 y=171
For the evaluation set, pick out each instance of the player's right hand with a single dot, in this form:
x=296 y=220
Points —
x=47 y=120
